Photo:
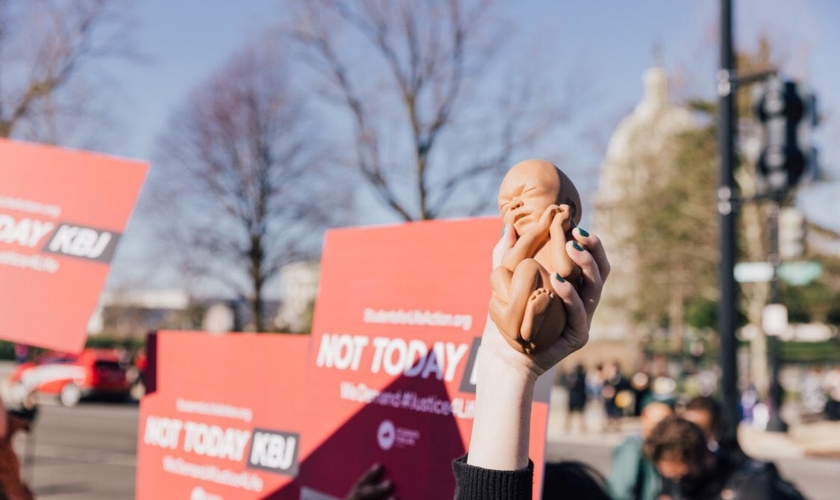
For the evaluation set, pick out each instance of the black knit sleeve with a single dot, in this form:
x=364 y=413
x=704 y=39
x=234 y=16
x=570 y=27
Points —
x=475 y=483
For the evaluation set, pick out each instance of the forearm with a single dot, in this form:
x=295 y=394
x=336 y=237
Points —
x=502 y=423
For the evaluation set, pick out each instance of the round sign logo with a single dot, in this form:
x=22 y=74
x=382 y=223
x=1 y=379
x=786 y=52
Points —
x=386 y=435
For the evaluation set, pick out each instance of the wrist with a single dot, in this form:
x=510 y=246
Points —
x=501 y=427
x=503 y=368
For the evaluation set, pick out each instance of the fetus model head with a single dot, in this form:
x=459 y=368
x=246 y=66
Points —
x=527 y=191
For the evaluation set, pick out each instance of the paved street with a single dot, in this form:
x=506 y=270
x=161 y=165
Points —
x=82 y=453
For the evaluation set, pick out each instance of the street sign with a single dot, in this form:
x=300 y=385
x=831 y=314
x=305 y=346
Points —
x=795 y=273
x=800 y=272
x=753 y=272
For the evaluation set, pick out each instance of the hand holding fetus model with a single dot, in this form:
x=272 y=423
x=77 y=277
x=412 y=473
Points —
x=542 y=205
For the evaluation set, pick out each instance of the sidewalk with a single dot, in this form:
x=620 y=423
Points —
x=817 y=439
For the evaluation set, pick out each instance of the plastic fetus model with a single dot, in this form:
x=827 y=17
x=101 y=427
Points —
x=543 y=206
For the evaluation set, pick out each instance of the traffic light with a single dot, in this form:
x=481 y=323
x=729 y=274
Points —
x=786 y=114
x=791 y=233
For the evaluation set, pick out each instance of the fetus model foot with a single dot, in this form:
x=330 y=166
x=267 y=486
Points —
x=537 y=305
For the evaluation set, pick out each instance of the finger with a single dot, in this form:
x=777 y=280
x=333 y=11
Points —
x=593 y=244
x=593 y=284
x=576 y=312
x=505 y=243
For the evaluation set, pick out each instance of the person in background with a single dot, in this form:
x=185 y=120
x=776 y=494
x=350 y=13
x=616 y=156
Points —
x=640 y=385
x=632 y=476
x=812 y=394
x=594 y=385
x=575 y=384
x=707 y=413
x=690 y=471
x=497 y=465
x=615 y=385
x=748 y=402
x=13 y=421
x=832 y=391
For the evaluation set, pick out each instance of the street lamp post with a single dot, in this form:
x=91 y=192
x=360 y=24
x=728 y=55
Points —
x=727 y=208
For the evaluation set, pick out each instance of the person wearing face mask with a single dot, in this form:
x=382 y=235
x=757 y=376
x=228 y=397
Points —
x=691 y=471
x=707 y=413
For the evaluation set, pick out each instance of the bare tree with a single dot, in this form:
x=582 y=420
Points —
x=47 y=51
x=435 y=116
x=240 y=185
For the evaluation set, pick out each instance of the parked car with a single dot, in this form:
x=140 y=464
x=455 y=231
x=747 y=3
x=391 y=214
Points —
x=93 y=372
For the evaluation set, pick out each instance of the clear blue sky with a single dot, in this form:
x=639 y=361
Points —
x=610 y=42
x=183 y=42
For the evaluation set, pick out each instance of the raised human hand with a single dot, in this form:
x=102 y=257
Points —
x=587 y=252
x=372 y=486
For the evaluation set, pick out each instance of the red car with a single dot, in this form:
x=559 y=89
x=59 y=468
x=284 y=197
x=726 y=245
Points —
x=72 y=376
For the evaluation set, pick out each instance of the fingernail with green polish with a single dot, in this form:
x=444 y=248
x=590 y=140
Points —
x=577 y=247
x=583 y=232
x=559 y=278
x=504 y=229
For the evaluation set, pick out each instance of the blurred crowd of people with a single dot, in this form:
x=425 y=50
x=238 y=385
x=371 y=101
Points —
x=606 y=389
x=820 y=392
x=601 y=395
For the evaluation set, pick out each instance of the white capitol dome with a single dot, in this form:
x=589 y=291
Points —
x=637 y=155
